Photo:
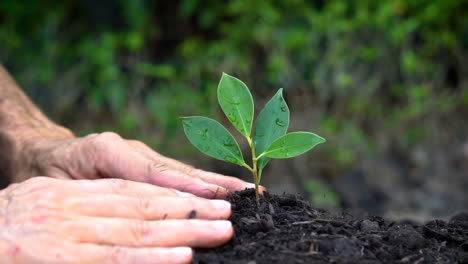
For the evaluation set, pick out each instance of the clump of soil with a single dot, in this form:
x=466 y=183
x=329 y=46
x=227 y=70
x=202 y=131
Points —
x=286 y=229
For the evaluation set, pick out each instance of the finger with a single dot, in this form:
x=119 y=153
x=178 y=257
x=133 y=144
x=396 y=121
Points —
x=230 y=183
x=149 y=208
x=161 y=175
x=177 y=167
x=149 y=171
x=53 y=249
x=140 y=233
x=112 y=255
x=121 y=187
x=135 y=166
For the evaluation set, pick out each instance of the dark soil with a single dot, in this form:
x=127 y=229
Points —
x=286 y=229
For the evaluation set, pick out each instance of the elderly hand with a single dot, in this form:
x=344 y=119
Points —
x=107 y=155
x=46 y=220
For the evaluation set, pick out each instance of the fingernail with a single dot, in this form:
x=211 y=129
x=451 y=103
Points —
x=252 y=185
x=221 y=205
x=222 y=225
x=183 y=253
x=184 y=194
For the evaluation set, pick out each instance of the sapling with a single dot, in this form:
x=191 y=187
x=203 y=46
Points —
x=269 y=139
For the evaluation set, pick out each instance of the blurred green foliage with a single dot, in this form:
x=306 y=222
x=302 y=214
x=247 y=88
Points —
x=365 y=74
x=321 y=195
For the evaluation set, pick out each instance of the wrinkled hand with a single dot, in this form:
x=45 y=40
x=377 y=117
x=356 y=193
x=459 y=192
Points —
x=46 y=220
x=107 y=155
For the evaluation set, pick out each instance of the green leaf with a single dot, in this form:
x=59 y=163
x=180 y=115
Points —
x=237 y=103
x=292 y=144
x=271 y=123
x=211 y=138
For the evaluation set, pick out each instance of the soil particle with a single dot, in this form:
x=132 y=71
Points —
x=406 y=236
x=192 y=214
x=286 y=229
x=369 y=226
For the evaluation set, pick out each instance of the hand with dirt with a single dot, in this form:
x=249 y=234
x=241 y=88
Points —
x=46 y=220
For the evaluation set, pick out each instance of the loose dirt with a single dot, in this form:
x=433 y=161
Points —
x=286 y=229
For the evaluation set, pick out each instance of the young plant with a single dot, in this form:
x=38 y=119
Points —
x=269 y=139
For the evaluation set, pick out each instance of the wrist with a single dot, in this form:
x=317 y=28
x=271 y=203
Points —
x=21 y=125
x=26 y=147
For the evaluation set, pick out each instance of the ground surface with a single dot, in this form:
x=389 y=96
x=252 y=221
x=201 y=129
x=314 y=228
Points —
x=285 y=229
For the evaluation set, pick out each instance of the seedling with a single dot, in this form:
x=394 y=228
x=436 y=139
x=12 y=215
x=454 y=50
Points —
x=269 y=139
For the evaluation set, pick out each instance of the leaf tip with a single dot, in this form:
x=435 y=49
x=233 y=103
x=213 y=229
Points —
x=225 y=75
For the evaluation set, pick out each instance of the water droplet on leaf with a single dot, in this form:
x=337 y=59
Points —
x=235 y=100
x=283 y=108
x=232 y=118
x=228 y=143
x=283 y=143
x=280 y=123
x=204 y=135
x=230 y=159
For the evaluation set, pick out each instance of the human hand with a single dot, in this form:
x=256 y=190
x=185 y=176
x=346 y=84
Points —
x=46 y=220
x=107 y=155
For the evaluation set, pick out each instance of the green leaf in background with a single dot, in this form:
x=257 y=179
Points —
x=271 y=123
x=237 y=103
x=292 y=144
x=211 y=138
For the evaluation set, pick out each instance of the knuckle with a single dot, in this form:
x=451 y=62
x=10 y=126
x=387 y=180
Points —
x=119 y=185
x=105 y=139
x=108 y=136
x=40 y=195
x=44 y=213
x=145 y=207
x=40 y=180
x=187 y=169
x=154 y=166
x=137 y=143
x=140 y=231
x=49 y=193
x=118 y=254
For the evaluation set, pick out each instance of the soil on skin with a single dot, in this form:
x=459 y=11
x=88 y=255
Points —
x=286 y=229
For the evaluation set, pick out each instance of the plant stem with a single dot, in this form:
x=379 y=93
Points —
x=261 y=155
x=254 y=170
x=245 y=165
x=259 y=175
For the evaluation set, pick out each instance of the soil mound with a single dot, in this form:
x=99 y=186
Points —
x=286 y=229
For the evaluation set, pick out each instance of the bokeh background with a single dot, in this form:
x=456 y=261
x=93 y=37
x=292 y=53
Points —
x=385 y=82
